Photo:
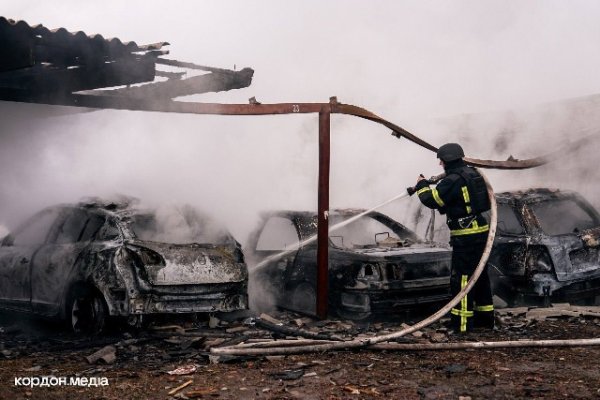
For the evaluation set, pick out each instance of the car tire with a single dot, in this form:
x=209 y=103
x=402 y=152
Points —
x=86 y=311
x=304 y=298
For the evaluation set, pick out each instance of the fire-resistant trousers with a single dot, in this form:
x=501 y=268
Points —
x=476 y=309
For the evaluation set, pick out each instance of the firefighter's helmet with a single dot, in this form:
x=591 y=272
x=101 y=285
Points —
x=450 y=152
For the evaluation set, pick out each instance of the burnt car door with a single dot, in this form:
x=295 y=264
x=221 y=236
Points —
x=279 y=234
x=53 y=264
x=16 y=255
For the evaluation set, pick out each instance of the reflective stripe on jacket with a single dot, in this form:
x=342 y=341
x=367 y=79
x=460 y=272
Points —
x=451 y=197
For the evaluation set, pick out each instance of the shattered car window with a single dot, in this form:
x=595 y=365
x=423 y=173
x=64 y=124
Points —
x=508 y=221
x=573 y=218
x=365 y=231
x=178 y=225
x=278 y=234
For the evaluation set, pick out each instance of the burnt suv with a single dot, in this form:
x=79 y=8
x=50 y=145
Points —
x=88 y=261
x=546 y=248
x=376 y=265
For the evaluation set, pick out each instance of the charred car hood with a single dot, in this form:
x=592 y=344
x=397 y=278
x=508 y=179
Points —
x=191 y=264
x=415 y=253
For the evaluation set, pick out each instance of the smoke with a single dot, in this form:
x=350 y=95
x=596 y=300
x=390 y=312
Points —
x=214 y=163
x=439 y=70
x=177 y=224
x=535 y=131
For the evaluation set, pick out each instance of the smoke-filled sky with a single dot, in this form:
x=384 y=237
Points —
x=469 y=71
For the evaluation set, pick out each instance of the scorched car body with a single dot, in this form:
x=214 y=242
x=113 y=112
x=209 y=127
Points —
x=546 y=248
x=376 y=265
x=86 y=262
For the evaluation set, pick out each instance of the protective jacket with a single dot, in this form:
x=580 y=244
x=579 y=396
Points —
x=453 y=198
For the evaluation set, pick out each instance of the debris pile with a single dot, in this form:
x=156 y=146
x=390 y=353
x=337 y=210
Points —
x=164 y=343
x=179 y=355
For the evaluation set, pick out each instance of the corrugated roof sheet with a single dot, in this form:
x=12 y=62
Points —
x=68 y=47
x=37 y=62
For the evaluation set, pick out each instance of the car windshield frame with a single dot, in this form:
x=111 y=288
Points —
x=358 y=234
x=395 y=228
x=546 y=222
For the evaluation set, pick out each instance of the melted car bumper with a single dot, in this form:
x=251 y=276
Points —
x=188 y=304
x=409 y=296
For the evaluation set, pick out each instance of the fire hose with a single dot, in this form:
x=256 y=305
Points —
x=361 y=343
x=285 y=347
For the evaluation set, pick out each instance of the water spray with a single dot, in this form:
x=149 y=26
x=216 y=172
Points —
x=409 y=192
x=333 y=228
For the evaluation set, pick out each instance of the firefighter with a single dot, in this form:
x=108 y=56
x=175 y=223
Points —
x=462 y=195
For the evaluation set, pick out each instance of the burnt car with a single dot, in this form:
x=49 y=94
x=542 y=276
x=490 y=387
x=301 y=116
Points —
x=376 y=265
x=546 y=248
x=90 y=261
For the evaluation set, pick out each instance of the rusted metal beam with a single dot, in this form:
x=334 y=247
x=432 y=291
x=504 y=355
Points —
x=323 y=218
x=170 y=106
x=128 y=103
x=513 y=163
x=398 y=131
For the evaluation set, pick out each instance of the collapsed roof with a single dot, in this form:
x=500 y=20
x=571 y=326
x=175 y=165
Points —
x=36 y=62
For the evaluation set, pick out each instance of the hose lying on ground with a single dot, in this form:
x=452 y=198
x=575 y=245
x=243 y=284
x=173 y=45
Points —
x=486 y=345
x=436 y=346
x=364 y=342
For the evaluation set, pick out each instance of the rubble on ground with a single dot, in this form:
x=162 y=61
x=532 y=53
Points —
x=193 y=341
x=176 y=354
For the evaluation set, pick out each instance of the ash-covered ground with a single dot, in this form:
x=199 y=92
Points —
x=173 y=360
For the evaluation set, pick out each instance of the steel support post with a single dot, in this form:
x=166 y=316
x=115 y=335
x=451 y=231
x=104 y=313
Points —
x=323 y=219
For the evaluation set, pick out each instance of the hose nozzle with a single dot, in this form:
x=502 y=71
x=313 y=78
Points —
x=434 y=179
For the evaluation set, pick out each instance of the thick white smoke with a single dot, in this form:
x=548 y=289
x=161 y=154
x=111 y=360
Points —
x=410 y=62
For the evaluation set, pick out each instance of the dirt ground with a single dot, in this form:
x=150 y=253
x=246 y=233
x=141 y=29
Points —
x=144 y=359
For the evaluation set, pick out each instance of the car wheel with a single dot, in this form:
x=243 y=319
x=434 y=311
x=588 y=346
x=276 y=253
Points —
x=304 y=298
x=86 y=312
